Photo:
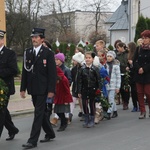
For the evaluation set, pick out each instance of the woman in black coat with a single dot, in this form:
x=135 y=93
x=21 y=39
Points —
x=142 y=72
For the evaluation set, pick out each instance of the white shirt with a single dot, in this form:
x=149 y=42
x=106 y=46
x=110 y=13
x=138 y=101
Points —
x=36 y=49
x=1 y=48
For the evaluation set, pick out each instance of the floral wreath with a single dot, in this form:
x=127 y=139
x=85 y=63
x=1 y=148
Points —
x=100 y=98
x=3 y=94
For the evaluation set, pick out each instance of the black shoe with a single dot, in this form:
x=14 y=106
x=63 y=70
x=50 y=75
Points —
x=46 y=139
x=80 y=114
x=108 y=116
x=115 y=114
x=70 y=116
x=29 y=145
x=11 y=136
x=62 y=128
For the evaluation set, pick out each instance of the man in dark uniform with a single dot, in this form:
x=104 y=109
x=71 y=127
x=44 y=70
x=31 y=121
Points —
x=8 y=69
x=39 y=78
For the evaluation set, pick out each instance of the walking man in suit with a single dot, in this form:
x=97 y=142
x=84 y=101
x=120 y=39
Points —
x=8 y=69
x=39 y=79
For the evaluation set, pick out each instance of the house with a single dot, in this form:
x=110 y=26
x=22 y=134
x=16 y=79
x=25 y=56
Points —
x=77 y=23
x=122 y=23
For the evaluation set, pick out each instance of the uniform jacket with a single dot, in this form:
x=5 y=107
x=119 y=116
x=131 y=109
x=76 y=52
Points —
x=40 y=79
x=115 y=78
x=63 y=94
x=8 y=68
x=142 y=59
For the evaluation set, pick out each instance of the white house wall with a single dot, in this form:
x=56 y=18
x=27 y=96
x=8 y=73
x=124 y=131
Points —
x=119 y=34
x=85 y=24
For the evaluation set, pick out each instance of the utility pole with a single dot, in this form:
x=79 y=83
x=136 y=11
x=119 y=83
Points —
x=129 y=20
x=2 y=16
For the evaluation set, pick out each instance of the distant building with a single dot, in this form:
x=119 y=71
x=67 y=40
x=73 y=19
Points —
x=80 y=23
x=123 y=22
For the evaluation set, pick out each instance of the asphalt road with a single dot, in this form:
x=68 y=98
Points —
x=126 y=132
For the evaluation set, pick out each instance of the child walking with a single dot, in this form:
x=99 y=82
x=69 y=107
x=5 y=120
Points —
x=113 y=69
x=77 y=59
x=62 y=99
x=89 y=82
x=60 y=59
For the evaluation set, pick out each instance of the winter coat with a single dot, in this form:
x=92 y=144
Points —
x=67 y=72
x=75 y=78
x=142 y=60
x=89 y=78
x=122 y=57
x=63 y=94
x=115 y=78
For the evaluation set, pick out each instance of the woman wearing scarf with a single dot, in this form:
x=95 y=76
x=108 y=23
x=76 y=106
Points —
x=142 y=72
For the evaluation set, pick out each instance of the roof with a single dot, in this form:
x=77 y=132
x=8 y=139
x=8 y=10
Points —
x=119 y=18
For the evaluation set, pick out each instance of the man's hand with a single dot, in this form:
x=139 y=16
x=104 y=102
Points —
x=23 y=94
x=50 y=95
x=141 y=71
x=79 y=95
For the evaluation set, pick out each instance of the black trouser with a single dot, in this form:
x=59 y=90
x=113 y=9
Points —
x=125 y=95
x=91 y=103
x=134 y=95
x=41 y=119
x=49 y=108
x=62 y=119
x=5 y=120
x=88 y=100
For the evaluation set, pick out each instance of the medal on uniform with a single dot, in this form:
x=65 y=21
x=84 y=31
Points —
x=44 y=62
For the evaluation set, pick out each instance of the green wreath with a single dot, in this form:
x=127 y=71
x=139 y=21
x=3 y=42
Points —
x=3 y=94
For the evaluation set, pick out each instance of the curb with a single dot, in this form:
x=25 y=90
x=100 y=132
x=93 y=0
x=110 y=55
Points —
x=21 y=112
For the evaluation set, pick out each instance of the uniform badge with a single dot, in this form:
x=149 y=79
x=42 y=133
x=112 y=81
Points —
x=44 y=62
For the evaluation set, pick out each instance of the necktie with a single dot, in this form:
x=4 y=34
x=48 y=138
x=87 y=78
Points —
x=34 y=54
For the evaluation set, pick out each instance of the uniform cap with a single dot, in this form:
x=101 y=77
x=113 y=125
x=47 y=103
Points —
x=2 y=33
x=37 y=32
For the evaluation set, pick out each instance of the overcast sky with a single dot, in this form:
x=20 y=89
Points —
x=80 y=5
x=116 y=4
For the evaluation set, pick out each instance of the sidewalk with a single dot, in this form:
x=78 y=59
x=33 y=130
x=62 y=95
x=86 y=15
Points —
x=18 y=106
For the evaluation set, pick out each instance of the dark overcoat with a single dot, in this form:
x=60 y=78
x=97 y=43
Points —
x=38 y=73
x=8 y=68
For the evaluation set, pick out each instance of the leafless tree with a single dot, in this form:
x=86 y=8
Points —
x=101 y=10
x=21 y=16
x=58 y=20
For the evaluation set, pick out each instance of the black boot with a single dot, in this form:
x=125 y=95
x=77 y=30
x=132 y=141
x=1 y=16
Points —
x=86 y=120
x=115 y=114
x=108 y=116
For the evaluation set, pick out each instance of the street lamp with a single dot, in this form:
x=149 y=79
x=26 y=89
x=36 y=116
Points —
x=57 y=43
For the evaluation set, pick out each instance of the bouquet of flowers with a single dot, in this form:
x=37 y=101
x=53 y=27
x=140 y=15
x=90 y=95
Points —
x=3 y=94
x=100 y=98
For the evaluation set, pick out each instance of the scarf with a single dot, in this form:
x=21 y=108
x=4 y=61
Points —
x=146 y=46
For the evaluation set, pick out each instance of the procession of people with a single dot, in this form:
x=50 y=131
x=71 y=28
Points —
x=93 y=81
